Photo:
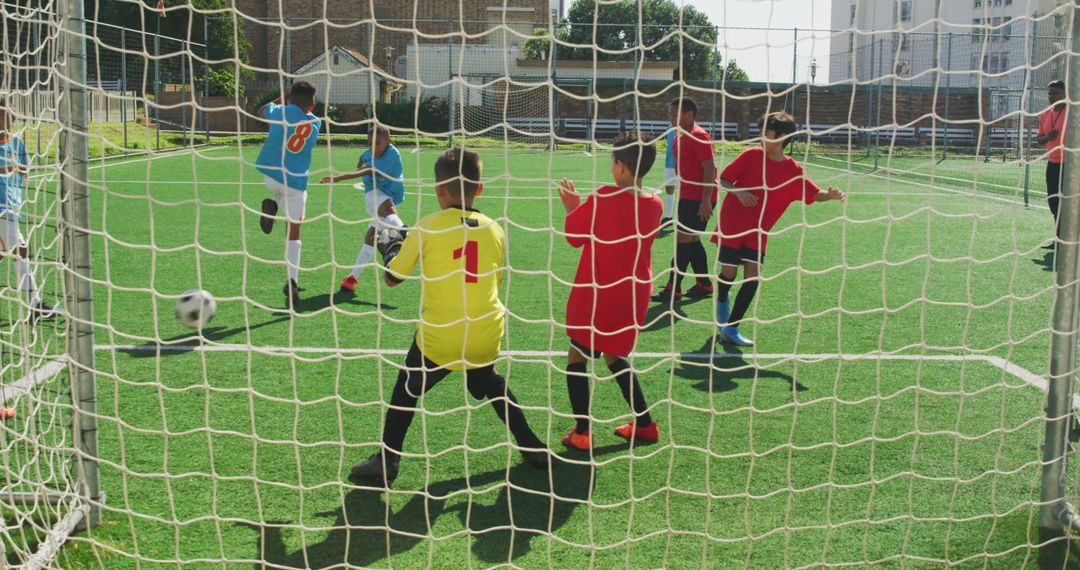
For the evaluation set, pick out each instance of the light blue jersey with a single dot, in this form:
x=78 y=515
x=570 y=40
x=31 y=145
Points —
x=286 y=154
x=12 y=158
x=389 y=174
x=670 y=163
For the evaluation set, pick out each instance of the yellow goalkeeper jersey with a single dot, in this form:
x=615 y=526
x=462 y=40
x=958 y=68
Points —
x=461 y=255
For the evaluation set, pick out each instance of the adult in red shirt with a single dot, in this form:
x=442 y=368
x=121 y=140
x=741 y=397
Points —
x=761 y=182
x=615 y=228
x=1051 y=134
x=696 y=169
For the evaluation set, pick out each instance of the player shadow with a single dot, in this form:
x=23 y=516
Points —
x=319 y=302
x=187 y=342
x=366 y=531
x=1047 y=261
x=726 y=365
x=662 y=316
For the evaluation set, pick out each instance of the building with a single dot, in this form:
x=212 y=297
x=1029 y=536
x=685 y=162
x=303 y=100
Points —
x=345 y=77
x=997 y=45
x=286 y=35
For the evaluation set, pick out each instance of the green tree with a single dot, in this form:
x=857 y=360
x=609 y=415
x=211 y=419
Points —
x=610 y=32
x=225 y=42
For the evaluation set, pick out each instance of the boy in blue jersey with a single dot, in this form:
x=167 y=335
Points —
x=284 y=160
x=670 y=177
x=384 y=188
x=14 y=164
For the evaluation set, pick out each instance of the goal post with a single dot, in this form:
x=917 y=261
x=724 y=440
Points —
x=1061 y=407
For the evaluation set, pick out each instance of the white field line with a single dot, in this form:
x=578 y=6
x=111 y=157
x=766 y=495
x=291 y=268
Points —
x=1025 y=375
x=27 y=383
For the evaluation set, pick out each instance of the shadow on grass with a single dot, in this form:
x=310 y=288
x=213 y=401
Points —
x=319 y=302
x=727 y=364
x=1046 y=261
x=367 y=531
x=662 y=316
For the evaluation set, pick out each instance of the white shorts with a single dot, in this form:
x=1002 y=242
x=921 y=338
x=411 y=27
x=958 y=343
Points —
x=670 y=178
x=372 y=201
x=10 y=235
x=292 y=203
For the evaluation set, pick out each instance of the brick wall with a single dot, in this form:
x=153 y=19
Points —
x=308 y=38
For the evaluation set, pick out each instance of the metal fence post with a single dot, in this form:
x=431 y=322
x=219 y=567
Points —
x=157 y=86
x=124 y=87
x=877 y=120
x=206 y=76
x=869 y=94
x=1054 y=509
x=74 y=203
x=948 y=81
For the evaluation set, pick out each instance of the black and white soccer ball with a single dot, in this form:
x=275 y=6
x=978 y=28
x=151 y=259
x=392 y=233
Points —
x=195 y=308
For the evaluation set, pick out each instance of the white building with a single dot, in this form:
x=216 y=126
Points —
x=1000 y=45
x=343 y=76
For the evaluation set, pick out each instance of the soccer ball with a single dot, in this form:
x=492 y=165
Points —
x=195 y=308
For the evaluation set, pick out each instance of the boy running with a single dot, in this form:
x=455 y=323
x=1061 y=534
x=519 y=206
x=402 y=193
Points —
x=384 y=188
x=761 y=183
x=461 y=253
x=284 y=160
x=615 y=228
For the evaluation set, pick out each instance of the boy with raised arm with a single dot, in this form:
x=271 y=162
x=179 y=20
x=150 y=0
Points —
x=761 y=183
x=615 y=229
x=284 y=161
x=461 y=253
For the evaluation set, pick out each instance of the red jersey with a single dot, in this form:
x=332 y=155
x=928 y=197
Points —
x=691 y=149
x=610 y=296
x=775 y=183
x=1051 y=120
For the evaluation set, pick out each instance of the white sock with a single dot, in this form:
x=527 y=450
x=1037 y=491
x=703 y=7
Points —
x=25 y=279
x=292 y=258
x=362 y=259
x=669 y=202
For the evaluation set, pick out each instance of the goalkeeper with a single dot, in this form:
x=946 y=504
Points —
x=461 y=254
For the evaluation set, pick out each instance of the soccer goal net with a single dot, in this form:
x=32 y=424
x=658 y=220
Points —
x=889 y=383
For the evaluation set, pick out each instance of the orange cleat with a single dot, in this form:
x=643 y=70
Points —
x=7 y=413
x=348 y=284
x=631 y=432
x=582 y=441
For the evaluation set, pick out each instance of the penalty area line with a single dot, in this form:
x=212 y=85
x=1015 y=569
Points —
x=1012 y=369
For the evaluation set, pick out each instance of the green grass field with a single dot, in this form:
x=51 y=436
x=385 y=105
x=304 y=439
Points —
x=785 y=456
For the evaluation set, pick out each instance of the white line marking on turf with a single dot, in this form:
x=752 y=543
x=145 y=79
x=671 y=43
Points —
x=27 y=383
x=1023 y=374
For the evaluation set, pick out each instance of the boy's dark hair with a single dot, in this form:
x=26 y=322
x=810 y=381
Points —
x=1056 y=84
x=380 y=133
x=636 y=150
x=684 y=104
x=781 y=123
x=302 y=94
x=459 y=169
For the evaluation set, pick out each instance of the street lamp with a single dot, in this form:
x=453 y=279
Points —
x=389 y=56
x=813 y=70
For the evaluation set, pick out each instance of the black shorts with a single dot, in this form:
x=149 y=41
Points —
x=739 y=256
x=689 y=221
x=584 y=350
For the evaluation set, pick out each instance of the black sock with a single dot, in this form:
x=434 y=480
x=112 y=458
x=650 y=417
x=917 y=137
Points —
x=683 y=253
x=742 y=301
x=671 y=276
x=577 y=385
x=699 y=260
x=631 y=391
x=723 y=287
x=506 y=406
x=398 y=420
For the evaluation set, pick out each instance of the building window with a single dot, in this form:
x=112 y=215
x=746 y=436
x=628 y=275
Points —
x=977 y=31
x=905 y=42
x=903 y=69
x=978 y=3
x=337 y=58
x=996 y=62
x=853 y=13
x=902 y=12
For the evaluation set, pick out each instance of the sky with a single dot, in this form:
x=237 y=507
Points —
x=766 y=54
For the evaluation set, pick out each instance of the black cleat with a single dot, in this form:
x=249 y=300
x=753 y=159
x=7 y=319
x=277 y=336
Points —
x=269 y=210
x=377 y=471
x=292 y=294
x=537 y=459
x=665 y=294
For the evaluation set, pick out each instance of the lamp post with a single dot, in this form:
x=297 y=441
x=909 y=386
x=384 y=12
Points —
x=813 y=70
x=389 y=50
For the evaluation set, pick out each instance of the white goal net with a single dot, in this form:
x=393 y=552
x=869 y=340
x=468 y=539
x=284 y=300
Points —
x=888 y=383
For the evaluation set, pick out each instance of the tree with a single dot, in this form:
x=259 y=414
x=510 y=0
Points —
x=225 y=43
x=610 y=33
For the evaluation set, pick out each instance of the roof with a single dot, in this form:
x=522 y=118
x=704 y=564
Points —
x=357 y=57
